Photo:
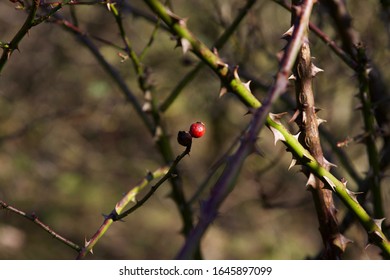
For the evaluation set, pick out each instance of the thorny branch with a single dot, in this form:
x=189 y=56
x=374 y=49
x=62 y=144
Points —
x=34 y=218
x=308 y=122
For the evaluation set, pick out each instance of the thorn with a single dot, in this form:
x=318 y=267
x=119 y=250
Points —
x=158 y=133
x=292 y=77
x=352 y=194
x=328 y=163
x=246 y=85
x=341 y=242
x=221 y=64
x=379 y=222
x=293 y=163
x=311 y=181
x=86 y=243
x=320 y=121
x=307 y=158
x=105 y=216
x=235 y=72
x=315 y=70
x=278 y=135
x=296 y=136
x=215 y=51
x=223 y=91
x=148 y=95
x=287 y=35
x=183 y=21
x=186 y=45
x=295 y=116
x=276 y=117
x=330 y=183
x=147 y=107
x=174 y=16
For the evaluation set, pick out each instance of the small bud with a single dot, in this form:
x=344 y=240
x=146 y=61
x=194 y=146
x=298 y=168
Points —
x=184 y=138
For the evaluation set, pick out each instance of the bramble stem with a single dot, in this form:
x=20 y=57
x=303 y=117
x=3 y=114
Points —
x=119 y=211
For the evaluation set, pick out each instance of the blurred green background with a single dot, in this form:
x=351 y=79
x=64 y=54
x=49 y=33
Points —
x=70 y=144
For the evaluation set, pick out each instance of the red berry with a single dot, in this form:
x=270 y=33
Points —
x=197 y=129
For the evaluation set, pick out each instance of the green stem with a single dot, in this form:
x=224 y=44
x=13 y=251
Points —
x=130 y=196
x=374 y=176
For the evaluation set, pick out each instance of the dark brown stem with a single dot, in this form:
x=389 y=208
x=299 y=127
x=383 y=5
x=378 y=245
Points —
x=304 y=72
x=8 y=49
x=374 y=97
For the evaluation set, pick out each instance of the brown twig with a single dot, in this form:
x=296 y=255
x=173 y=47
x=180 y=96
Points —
x=34 y=218
x=13 y=45
x=304 y=72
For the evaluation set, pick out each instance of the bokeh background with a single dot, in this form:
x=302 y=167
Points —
x=71 y=145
